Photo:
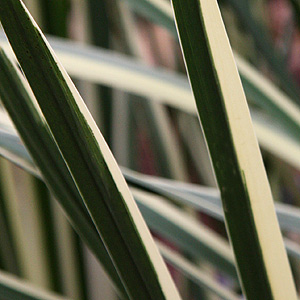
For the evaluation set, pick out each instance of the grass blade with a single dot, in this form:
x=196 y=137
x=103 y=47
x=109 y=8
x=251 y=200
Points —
x=9 y=260
x=16 y=289
x=198 y=197
x=263 y=43
x=241 y=177
x=200 y=240
x=166 y=87
x=276 y=140
x=157 y=11
x=48 y=158
x=98 y=12
x=93 y=168
x=42 y=204
x=203 y=198
x=180 y=228
x=266 y=95
x=54 y=16
x=195 y=274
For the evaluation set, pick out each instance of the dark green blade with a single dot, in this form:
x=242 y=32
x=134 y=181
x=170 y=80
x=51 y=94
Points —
x=55 y=16
x=43 y=149
x=90 y=162
x=229 y=134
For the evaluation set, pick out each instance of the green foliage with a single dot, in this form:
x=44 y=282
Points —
x=147 y=117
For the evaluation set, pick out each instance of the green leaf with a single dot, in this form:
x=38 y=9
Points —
x=167 y=87
x=42 y=147
x=247 y=200
x=89 y=160
x=55 y=16
x=156 y=11
x=197 y=275
x=184 y=231
x=16 y=289
x=9 y=260
x=266 y=95
x=264 y=45
x=164 y=219
x=172 y=89
x=276 y=140
x=207 y=200
x=201 y=198
x=44 y=211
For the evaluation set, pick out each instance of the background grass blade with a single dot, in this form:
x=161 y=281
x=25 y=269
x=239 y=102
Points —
x=167 y=87
x=44 y=210
x=16 y=289
x=199 y=197
x=173 y=90
x=156 y=10
x=165 y=222
x=266 y=95
x=201 y=240
x=211 y=69
x=203 y=198
x=89 y=160
x=9 y=260
x=99 y=18
x=54 y=16
x=180 y=228
x=195 y=273
x=264 y=45
x=270 y=134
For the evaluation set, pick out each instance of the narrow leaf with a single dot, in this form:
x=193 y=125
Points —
x=201 y=198
x=163 y=86
x=247 y=201
x=172 y=89
x=16 y=289
x=195 y=273
x=157 y=11
x=89 y=160
x=170 y=222
x=182 y=229
x=39 y=141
